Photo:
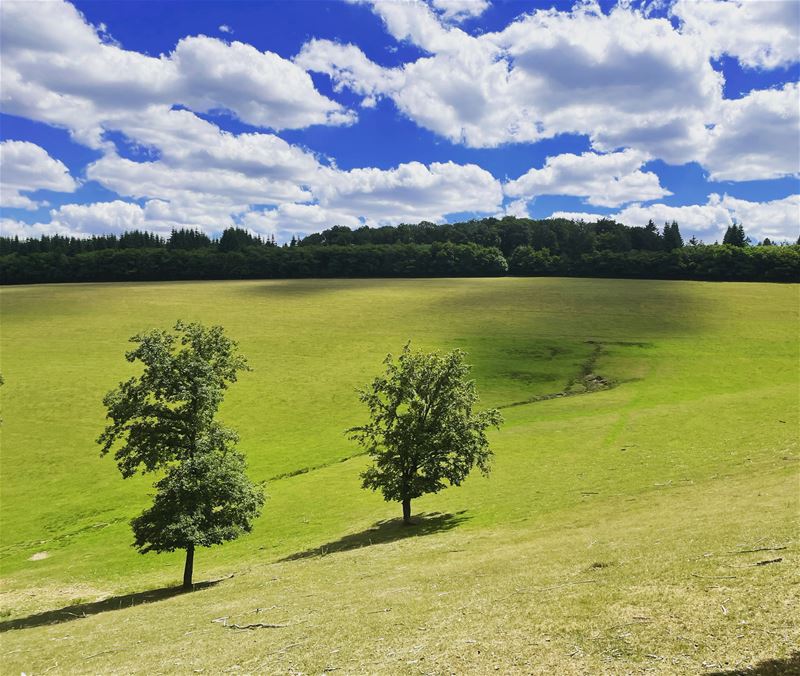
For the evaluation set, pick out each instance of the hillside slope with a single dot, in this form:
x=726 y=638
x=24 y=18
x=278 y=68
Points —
x=621 y=529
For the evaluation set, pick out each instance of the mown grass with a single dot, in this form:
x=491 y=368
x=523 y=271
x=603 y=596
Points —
x=605 y=539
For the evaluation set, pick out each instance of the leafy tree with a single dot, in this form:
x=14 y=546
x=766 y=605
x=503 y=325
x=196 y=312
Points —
x=164 y=420
x=423 y=433
x=647 y=238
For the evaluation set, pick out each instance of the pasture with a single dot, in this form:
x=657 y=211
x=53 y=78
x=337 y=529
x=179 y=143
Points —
x=641 y=515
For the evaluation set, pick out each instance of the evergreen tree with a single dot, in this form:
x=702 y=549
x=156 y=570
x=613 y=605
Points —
x=735 y=235
x=188 y=239
x=672 y=236
x=236 y=239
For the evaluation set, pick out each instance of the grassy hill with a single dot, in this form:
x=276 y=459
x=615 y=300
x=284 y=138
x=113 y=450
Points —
x=632 y=524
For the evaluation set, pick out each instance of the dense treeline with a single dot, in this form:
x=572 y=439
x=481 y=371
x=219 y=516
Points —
x=400 y=260
x=489 y=247
x=232 y=239
x=559 y=235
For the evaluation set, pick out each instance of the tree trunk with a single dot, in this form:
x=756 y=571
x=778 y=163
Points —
x=188 y=568
x=407 y=511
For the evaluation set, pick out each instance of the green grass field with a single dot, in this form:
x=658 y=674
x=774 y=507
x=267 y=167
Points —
x=621 y=530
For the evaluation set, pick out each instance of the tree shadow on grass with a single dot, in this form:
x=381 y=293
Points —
x=386 y=531
x=81 y=610
x=788 y=665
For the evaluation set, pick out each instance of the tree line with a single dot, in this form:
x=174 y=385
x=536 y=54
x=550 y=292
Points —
x=482 y=248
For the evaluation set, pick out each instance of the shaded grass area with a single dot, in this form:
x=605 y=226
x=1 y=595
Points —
x=385 y=531
x=781 y=667
x=83 y=610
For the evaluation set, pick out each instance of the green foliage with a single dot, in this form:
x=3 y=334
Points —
x=188 y=239
x=528 y=261
x=163 y=420
x=672 y=236
x=236 y=239
x=735 y=235
x=485 y=248
x=167 y=413
x=423 y=434
x=202 y=501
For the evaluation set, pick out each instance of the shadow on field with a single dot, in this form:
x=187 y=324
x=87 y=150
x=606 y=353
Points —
x=386 y=531
x=788 y=665
x=82 y=610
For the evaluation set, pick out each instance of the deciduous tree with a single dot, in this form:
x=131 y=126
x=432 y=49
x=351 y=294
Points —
x=164 y=421
x=423 y=433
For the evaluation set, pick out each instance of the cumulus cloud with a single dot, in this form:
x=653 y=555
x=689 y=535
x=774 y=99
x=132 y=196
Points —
x=411 y=192
x=776 y=219
x=82 y=220
x=460 y=10
x=623 y=79
x=290 y=219
x=184 y=198
x=620 y=78
x=26 y=167
x=57 y=69
x=757 y=136
x=605 y=180
x=759 y=34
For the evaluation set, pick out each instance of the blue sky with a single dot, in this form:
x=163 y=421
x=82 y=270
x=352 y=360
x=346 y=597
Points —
x=289 y=117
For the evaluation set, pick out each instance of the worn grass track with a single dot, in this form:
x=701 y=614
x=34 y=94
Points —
x=620 y=531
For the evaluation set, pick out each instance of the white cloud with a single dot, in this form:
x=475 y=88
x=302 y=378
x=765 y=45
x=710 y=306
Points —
x=225 y=28
x=260 y=88
x=164 y=180
x=762 y=34
x=579 y=216
x=757 y=137
x=518 y=208
x=622 y=79
x=82 y=220
x=410 y=193
x=414 y=21
x=778 y=219
x=605 y=180
x=460 y=10
x=201 y=198
x=349 y=67
x=99 y=218
x=10 y=227
x=25 y=167
x=57 y=69
x=290 y=219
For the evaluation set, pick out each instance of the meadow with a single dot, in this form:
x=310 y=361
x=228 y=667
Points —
x=642 y=519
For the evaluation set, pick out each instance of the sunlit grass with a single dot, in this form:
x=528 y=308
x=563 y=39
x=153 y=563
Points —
x=690 y=456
